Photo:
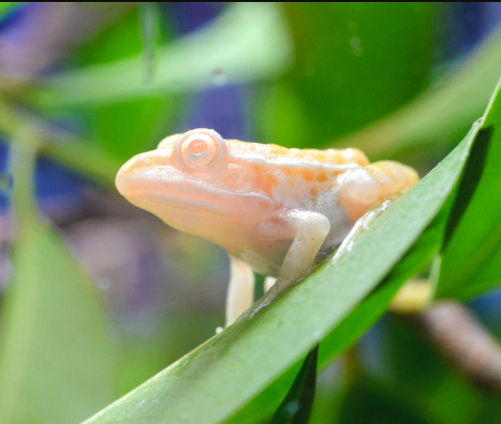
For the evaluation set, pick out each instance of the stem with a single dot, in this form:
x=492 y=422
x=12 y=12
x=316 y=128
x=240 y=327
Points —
x=82 y=156
x=148 y=23
x=22 y=161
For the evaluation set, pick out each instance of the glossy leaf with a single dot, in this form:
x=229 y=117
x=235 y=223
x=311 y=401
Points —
x=470 y=261
x=357 y=322
x=56 y=363
x=227 y=371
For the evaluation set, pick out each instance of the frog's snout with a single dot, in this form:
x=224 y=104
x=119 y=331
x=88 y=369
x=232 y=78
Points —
x=121 y=179
x=131 y=173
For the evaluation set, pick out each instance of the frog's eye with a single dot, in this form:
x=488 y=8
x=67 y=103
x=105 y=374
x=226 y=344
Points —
x=200 y=148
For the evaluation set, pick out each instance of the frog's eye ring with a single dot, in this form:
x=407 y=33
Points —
x=200 y=148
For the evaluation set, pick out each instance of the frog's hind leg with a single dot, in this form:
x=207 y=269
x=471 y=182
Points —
x=240 y=294
x=364 y=188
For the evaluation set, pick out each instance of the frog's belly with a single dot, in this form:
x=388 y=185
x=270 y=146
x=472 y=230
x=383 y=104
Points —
x=269 y=242
x=268 y=261
x=267 y=258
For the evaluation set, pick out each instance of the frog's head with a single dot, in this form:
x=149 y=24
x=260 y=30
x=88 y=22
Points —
x=193 y=184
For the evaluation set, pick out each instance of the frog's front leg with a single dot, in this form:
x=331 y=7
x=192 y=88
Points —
x=311 y=230
x=240 y=295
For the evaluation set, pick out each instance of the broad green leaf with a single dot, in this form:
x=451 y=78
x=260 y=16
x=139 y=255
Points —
x=357 y=322
x=56 y=360
x=439 y=115
x=366 y=314
x=248 y=42
x=485 y=278
x=470 y=259
x=354 y=62
x=226 y=372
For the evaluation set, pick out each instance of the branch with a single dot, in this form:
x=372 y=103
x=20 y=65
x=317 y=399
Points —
x=462 y=339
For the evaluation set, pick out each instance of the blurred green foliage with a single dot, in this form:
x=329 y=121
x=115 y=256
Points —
x=319 y=75
x=361 y=65
x=125 y=127
x=54 y=340
x=7 y=6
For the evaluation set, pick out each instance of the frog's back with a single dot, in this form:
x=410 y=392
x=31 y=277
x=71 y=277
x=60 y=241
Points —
x=299 y=177
x=273 y=153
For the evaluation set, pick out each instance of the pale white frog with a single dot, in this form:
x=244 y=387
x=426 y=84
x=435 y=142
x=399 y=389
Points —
x=274 y=210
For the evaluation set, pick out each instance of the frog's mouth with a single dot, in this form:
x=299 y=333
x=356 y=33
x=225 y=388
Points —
x=173 y=195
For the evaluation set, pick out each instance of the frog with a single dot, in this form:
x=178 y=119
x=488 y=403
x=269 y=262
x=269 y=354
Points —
x=275 y=210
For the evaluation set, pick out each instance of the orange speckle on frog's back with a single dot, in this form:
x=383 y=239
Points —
x=308 y=175
x=296 y=172
x=291 y=177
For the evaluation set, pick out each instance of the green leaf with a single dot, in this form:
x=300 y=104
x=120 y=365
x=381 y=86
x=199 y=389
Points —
x=123 y=127
x=122 y=136
x=366 y=314
x=343 y=51
x=470 y=259
x=439 y=115
x=297 y=405
x=261 y=49
x=358 y=321
x=369 y=399
x=416 y=373
x=262 y=406
x=226 y=372
x=56 y=360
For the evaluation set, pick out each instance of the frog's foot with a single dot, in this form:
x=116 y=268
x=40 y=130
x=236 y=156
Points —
x=268 y=283
x=240 y=294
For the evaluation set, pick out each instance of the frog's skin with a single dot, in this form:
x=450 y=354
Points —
x=274 y=210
